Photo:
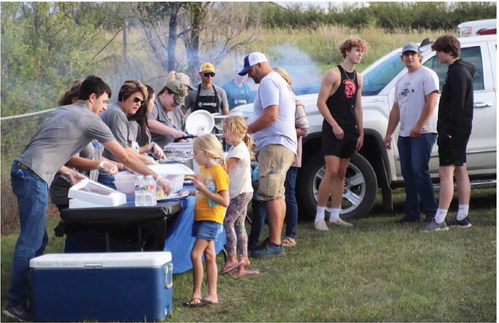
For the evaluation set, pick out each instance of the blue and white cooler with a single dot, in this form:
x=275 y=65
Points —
x=126 y=286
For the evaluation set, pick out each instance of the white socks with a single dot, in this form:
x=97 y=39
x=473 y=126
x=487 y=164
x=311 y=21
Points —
x=440 y=215
x=462 y=212
x=335 y=214
x=319 y=215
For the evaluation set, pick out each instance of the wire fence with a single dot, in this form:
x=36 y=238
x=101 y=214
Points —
x=16 y=132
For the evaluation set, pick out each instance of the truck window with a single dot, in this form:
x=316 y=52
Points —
x=376 y=79
x=472 y=55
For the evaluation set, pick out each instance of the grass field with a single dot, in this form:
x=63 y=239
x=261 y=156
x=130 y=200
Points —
x=375 y=271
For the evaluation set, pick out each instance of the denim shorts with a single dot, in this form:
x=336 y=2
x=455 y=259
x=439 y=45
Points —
x=207 y=230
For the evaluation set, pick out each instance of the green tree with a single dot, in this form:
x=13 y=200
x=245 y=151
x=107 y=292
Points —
x=45 y=46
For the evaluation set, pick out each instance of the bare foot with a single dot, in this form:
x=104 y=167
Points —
x=245 y=263
x=211 y=299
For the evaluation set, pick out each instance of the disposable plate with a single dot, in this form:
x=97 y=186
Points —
x=199 y=123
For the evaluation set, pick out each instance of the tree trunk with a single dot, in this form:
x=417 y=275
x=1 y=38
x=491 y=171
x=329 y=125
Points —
x=172 y=36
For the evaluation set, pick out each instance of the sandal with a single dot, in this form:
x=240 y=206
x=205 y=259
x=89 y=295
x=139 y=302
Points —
x=199 y=302
x=229 y=268
x=247 y=272
x=288 y=242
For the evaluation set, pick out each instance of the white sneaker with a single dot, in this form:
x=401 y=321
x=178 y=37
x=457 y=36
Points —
x=321 y=225
x=341 y=223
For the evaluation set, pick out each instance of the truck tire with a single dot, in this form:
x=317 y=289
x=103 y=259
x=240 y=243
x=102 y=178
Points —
x=360 y=187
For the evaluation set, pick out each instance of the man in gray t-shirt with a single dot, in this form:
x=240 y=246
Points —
x=207 y=96
x=64 y=133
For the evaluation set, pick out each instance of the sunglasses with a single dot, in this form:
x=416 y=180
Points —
x=209 y=74
x=136 y=100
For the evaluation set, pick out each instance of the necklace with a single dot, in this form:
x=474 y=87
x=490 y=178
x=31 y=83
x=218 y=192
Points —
x=346 y=75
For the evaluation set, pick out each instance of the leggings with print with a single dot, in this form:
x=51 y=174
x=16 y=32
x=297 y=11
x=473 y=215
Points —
x=234 y=225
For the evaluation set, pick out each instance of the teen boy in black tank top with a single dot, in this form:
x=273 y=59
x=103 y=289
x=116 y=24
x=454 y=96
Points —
x=341 y=105
x=339 y=102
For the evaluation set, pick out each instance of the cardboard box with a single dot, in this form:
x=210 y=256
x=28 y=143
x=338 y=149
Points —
x=96 y=193
x=127 y=286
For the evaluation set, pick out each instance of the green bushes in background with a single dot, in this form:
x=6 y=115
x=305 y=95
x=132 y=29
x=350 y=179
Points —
x=387 y=15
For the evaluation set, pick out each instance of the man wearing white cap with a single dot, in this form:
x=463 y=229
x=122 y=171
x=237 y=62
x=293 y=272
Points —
x=274 y=133
x=414 y=108
x=207 y=96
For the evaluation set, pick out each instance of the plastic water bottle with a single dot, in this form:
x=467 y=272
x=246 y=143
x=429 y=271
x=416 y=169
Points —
x=150 y=192
x=139 y=191
x=211 y=186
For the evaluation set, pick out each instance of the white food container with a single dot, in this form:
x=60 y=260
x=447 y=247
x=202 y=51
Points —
x=174 y=173
x=94 y=194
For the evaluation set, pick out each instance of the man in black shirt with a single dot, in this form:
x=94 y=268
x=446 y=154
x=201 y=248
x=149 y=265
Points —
x=455 y=116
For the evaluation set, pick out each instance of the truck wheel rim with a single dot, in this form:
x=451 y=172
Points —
x=353 y=192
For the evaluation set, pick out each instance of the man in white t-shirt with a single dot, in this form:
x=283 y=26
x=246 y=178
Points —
x=274 y=133
x=415 y=109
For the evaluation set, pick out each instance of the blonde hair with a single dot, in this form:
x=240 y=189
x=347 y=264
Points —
x=284 y=75
x=211 y=146
x=236 y=125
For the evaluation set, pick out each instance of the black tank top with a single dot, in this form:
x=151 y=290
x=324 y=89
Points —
x=342 y=103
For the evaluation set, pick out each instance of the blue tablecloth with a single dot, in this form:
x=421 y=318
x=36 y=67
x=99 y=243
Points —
x=179 y=240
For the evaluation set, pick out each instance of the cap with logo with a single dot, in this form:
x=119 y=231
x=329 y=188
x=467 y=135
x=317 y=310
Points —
x=207 y=67
x=251 y=60
x=177 y=89
x=410 y=47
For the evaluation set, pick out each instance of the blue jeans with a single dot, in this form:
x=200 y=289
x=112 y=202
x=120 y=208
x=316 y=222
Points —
x=32 y=198
x=414 y=158
x=257 y=222
x=291 y=205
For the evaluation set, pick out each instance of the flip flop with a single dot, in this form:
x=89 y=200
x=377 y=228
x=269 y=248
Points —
x=229 y=268
x=202 y=302
x=207 y=301
x=247 y=272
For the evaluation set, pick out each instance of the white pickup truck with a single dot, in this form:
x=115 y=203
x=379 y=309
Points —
x=375 y=167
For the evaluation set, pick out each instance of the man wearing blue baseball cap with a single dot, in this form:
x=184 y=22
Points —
x=414 y=108
x=273 y=130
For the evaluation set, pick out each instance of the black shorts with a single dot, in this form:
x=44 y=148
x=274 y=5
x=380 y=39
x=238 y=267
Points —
x=345 y=148
x=452 y=151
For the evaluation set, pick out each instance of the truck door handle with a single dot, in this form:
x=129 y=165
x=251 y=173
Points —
x=482 y=105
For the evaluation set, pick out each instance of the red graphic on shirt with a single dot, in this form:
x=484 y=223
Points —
x=350 y=88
